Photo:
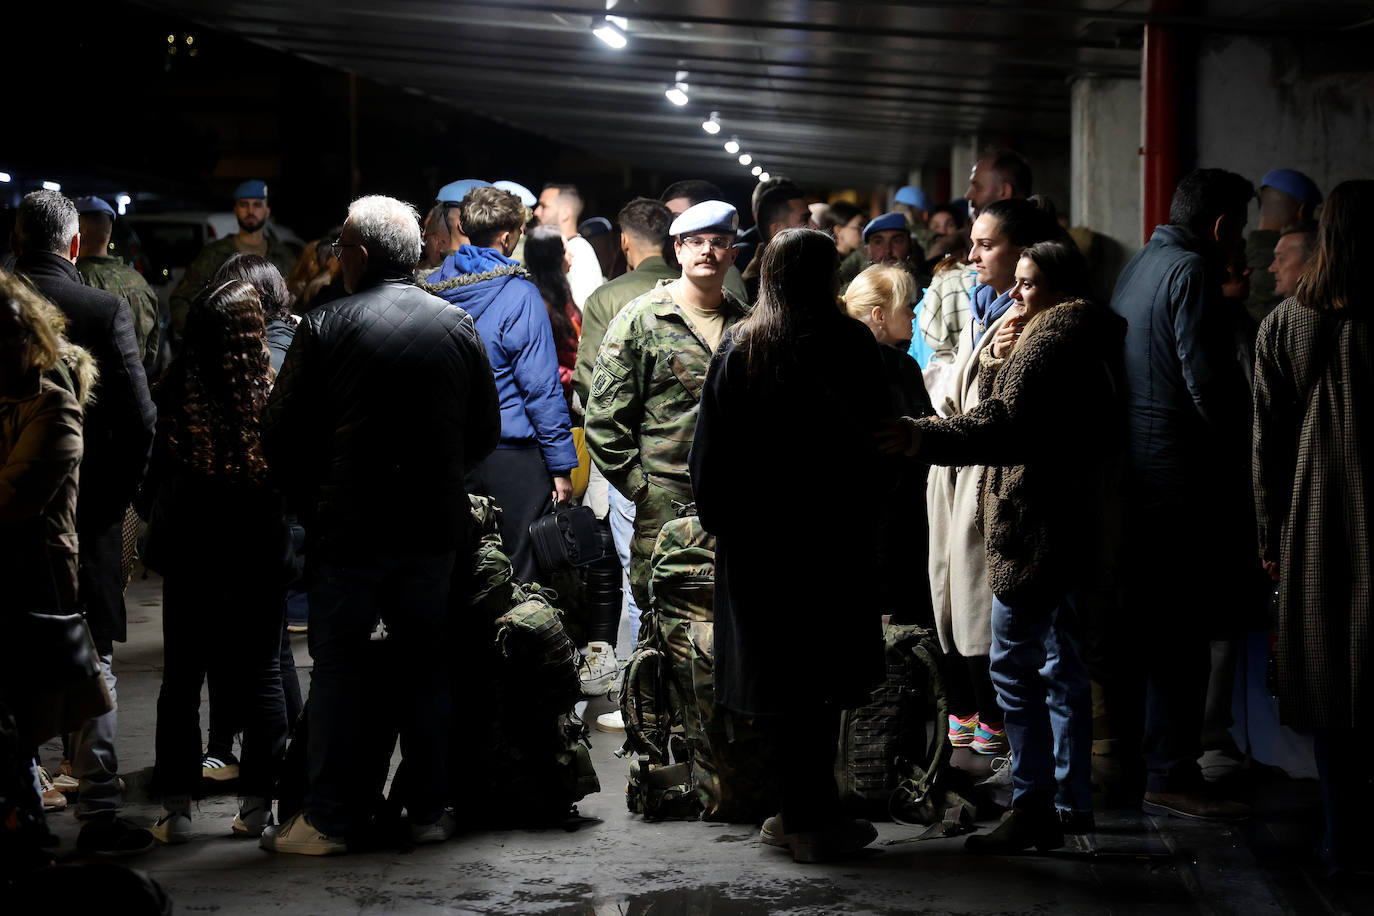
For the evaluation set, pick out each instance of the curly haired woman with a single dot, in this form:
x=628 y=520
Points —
x=218 y=538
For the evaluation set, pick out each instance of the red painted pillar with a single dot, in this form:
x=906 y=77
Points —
x=1159 y=81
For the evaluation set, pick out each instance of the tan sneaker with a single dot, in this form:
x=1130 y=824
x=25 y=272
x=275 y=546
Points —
x=299 y=837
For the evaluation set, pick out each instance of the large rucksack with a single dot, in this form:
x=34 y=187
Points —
x=668 y=702
x=893 y=759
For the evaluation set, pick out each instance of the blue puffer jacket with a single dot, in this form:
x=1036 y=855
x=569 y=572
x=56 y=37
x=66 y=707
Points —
x=514 y=325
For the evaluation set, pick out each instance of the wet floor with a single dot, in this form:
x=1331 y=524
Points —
x=615 y=863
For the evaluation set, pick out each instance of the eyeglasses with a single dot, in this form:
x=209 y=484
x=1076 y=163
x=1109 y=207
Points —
x=700 y=242
x=337 y=246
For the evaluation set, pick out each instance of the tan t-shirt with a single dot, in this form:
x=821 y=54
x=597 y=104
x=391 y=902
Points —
x=709 y=324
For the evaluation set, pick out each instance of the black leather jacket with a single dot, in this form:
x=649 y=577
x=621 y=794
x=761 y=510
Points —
x=385 y=400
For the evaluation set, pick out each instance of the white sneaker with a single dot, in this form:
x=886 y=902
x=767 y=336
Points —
x=610 y=722
x=599 y=668
x=255 y=815
x=299 y=837
x=172 y=828
x=437 y=832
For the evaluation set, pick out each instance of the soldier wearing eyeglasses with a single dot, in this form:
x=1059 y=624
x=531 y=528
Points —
x=649 y=373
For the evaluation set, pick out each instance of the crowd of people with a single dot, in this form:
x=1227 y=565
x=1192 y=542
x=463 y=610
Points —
x=925 y=414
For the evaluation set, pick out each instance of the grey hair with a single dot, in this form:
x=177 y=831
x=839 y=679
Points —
x=46 y=221
x=390 y=231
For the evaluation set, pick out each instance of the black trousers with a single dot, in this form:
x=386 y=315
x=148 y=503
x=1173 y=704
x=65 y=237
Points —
x=968 y=680
x=233 y=624
x=226 y=718
x=520 y=483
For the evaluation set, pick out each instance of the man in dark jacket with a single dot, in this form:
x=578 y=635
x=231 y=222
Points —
x=118 y=435
x=1189 y=528
x=536 y=456
x=384 y=402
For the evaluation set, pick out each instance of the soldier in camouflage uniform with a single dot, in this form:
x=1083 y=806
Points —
x=649 y=373
x=103 y=270
x=252 y=212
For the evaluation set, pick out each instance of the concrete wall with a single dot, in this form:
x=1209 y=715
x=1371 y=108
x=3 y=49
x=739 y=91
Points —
x=1104 y=173
x=1284 y=103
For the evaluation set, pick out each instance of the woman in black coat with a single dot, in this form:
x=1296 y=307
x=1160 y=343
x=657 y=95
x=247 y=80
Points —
x=792 y=401
x=217 y=536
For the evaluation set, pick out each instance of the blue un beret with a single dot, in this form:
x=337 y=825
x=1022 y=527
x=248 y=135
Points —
x=251 y=189
x=912 y=196
x=597 y=225
x=455 y=191
x=883 y=223
x=709 y=215
x=511 y=187
x=1294 y=183
x=93 y=205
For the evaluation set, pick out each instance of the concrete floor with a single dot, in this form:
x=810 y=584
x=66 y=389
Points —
x=617 y=864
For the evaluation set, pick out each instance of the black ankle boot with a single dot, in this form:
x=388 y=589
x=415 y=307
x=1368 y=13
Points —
x=1021 y=828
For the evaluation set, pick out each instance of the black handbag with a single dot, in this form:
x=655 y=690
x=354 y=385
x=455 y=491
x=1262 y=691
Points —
x=568 y=538
x=53 y=651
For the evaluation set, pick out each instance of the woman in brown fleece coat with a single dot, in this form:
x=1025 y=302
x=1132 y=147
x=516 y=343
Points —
x=1045 y=428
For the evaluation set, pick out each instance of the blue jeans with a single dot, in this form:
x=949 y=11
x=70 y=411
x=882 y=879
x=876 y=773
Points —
x=411 y=593
x=622 y=516
x=1044 y=690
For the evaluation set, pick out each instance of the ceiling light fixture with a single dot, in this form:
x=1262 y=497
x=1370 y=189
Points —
x=755 y=170
x=763 y=176
x=712 y=124
x=611 y=30
x=745 y=158
x=51 y=186
x=123 y=202
x=677 y=92
x=732 y=145
x=5 y=178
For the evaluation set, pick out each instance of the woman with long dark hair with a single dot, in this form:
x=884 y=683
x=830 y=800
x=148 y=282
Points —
x=548 y=261
x=1314 y=392
x=218 y=537
x=793 y=398
x=1042 y=439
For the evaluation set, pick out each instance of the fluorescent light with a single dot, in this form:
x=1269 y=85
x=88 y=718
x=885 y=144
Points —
x=51 y=186
x=123 y=201
x=745 y=158
x=5 y=178
x=677 y=92
x=763 y=176
x=755 y=170
x=612 y=34
x=712 y=124
x=732 y=145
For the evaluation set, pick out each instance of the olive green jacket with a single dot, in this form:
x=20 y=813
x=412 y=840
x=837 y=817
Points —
x=202 y=270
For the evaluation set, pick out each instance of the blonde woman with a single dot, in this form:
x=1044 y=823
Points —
x=880 y=297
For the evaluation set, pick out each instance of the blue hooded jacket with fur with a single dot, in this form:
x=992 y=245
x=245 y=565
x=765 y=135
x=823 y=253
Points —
x=514 y=325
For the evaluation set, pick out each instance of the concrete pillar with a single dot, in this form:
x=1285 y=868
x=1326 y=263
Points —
x=963 y=153
x=1104 y=150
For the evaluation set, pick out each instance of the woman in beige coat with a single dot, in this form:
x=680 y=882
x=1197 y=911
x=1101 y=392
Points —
x=958 y=565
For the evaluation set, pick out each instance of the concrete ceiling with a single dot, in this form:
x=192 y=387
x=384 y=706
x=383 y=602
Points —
x=824 y=91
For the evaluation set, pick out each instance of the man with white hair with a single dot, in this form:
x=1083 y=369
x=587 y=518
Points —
x=385 y=401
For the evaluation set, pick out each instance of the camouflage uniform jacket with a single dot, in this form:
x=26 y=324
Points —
x=646 y=388
x=202 y=270
x=113 y=275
